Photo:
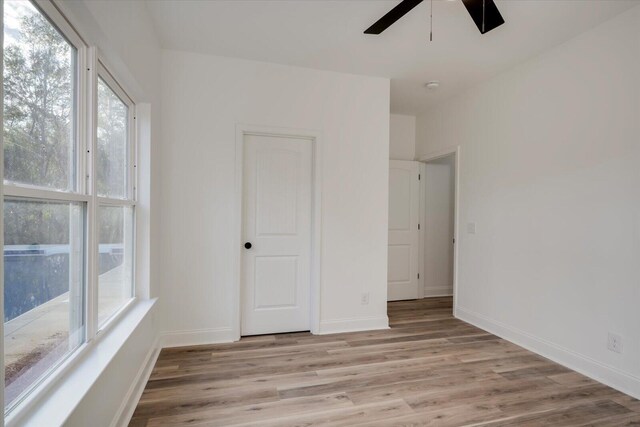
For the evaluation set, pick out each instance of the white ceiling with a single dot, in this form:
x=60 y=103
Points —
x=328 y=35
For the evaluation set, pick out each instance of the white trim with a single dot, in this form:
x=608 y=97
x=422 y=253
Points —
x=316 y=221
x=434 y=155
x=134 y=151
x=601 y=372
x=354 y=324
x=197 y=337
x=130 y=401
x=30 y=192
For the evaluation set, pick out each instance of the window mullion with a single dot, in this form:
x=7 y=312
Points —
x=91 y=116
x=133 y=154
x=83 y=127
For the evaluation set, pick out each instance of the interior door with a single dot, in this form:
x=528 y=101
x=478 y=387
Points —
x=404 y=204
x=277 y=234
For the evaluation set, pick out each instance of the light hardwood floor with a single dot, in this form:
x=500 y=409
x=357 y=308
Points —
x=429 y=369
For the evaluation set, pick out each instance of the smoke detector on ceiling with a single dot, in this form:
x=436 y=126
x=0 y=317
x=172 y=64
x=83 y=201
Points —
x=432 y=85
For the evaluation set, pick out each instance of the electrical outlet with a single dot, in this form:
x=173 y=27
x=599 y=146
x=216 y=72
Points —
x=364 y=300
x=614 y=343
x=471 y=228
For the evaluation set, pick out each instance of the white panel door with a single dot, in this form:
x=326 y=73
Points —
x=277 y=227
x=404 y=204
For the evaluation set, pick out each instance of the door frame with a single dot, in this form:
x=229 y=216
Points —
x=315 y=137
x=425 y=158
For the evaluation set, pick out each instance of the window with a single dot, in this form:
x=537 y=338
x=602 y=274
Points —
x=43 y=294
x=69 y=206
x=112 y=143
x=39 y=107
x=44 y=237
x=114 y=187
x=115 y=259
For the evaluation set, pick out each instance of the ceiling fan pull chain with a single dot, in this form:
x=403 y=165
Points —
x=486 y=20
x=431 y=23
x=484 y=6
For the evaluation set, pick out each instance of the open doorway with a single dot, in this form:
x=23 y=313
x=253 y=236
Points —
x=422 y=254
x=438 y=230
x=438 y=198
x=422 y=228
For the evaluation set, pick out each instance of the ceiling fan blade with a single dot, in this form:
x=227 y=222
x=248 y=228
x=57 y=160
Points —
x=392 y=16
x=484 y=13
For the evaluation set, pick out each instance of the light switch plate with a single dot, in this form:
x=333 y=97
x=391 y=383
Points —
x=471 y=228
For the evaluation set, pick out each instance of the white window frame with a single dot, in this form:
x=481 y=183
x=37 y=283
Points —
x=128 y=201
x=88 y=68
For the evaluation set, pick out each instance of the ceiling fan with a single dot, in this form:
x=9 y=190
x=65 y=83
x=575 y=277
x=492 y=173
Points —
x=484 y=13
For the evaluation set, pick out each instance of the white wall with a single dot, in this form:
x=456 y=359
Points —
x=550 y=155
x=402 y=137
x=439 y=186
x=204 y=98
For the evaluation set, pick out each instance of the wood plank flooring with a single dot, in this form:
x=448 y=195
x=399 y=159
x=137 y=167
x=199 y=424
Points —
x=429 y=369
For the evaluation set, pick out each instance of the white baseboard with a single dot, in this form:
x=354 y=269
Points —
x=355 y=324
x=438 y=291
x=196 y=337
x=130 y=401
x=609 y=375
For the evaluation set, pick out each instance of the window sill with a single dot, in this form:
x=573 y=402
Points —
x=56 y=398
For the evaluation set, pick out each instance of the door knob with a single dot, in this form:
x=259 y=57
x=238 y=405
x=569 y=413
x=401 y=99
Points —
x=247 y=245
